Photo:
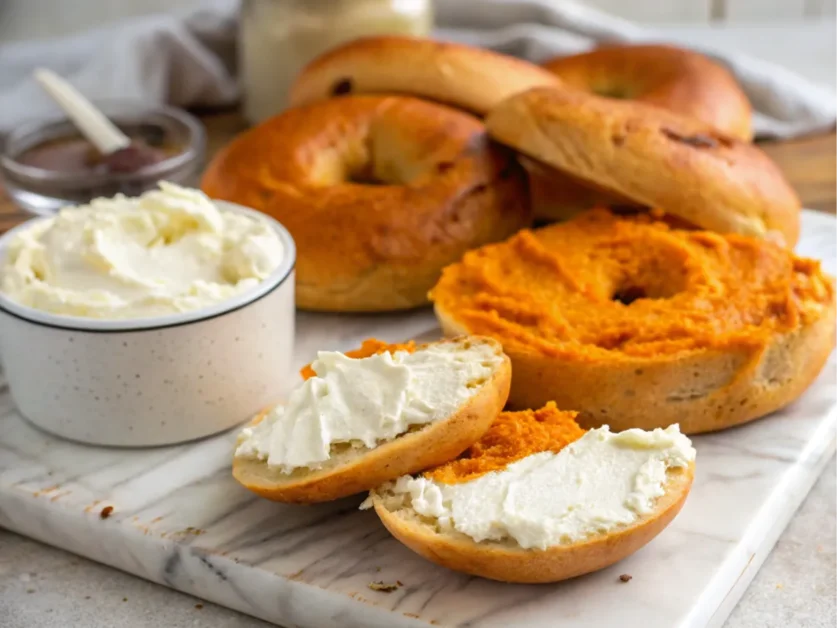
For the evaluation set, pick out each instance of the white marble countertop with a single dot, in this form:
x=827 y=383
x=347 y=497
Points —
x=42 y=587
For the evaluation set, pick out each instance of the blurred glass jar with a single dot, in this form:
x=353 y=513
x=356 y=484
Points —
x=279 y=37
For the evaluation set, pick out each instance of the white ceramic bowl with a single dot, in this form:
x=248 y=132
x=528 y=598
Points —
x=151 y=381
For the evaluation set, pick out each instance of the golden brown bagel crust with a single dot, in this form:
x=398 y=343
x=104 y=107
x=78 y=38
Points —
x=708 y=354
x=510 y=563
x=430 y=446
x=679 y=80
x=652 y=157
x=675 y=79
x=439 y=187
x=469 y=78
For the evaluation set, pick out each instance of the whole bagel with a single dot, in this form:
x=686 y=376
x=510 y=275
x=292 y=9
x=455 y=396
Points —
x=468 y=78
x=653 y=157
x=635 y=324
x=379 y=193
x=679 y=80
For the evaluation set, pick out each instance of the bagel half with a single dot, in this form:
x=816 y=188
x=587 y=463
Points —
x=652 y=157
x=469 y=78
x=353 y=469
x=498 y=555
x=709 y=362
x=507 y=563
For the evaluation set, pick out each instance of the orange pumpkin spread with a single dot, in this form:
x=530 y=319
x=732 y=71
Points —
x=370 y=346
x=626 y=288
x=512 y=436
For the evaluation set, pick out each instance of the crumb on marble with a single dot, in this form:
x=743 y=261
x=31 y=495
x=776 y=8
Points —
x=124 y=599
x=779 y=585
x=199 y=606
x=382 y=587
x=625 y=577
x=106 y=512
x=194 y=531
x=46 y=490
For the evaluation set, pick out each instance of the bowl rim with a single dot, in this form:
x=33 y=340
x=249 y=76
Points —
x=95 y=325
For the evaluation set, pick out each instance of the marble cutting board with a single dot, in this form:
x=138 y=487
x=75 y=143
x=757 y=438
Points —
x=180 y=520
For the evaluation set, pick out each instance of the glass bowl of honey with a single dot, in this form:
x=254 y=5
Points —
x=48 y=164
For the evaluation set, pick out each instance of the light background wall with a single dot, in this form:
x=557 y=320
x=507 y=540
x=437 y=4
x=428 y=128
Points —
x=23 y=19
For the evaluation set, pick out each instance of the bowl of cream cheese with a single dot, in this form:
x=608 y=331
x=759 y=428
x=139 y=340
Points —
x=148 y=320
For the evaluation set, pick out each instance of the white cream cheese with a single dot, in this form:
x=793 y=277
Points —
x=366 y=401
x=170 y=250
x=599 y=482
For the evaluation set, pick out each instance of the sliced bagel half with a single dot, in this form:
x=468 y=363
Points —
x=459 y=386
x=517 y=530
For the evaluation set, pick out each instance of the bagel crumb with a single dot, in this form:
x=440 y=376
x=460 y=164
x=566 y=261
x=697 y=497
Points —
x=106 y=512
x=626 y=577
x=369 y=347
x=512 y=436
x=383 y=588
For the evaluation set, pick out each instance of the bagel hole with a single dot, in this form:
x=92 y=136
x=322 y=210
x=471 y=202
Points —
x=617 y=92
x=629 y=294
x=367 y=174
x=364 y=177
x=647 y=272
x=342 y=87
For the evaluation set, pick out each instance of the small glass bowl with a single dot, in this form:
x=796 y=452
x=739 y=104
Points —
x=44 y=192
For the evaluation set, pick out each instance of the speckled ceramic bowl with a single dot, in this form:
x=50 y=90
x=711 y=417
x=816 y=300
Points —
x=151 y=381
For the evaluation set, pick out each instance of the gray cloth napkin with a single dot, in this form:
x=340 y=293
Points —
x=189 y=59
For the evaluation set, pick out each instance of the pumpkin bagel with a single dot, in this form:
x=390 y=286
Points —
x=379 y=193
x=635 y=324
x=653 y=157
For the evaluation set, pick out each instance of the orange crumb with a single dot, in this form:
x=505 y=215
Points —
x=370 y=346
x=512 y=436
